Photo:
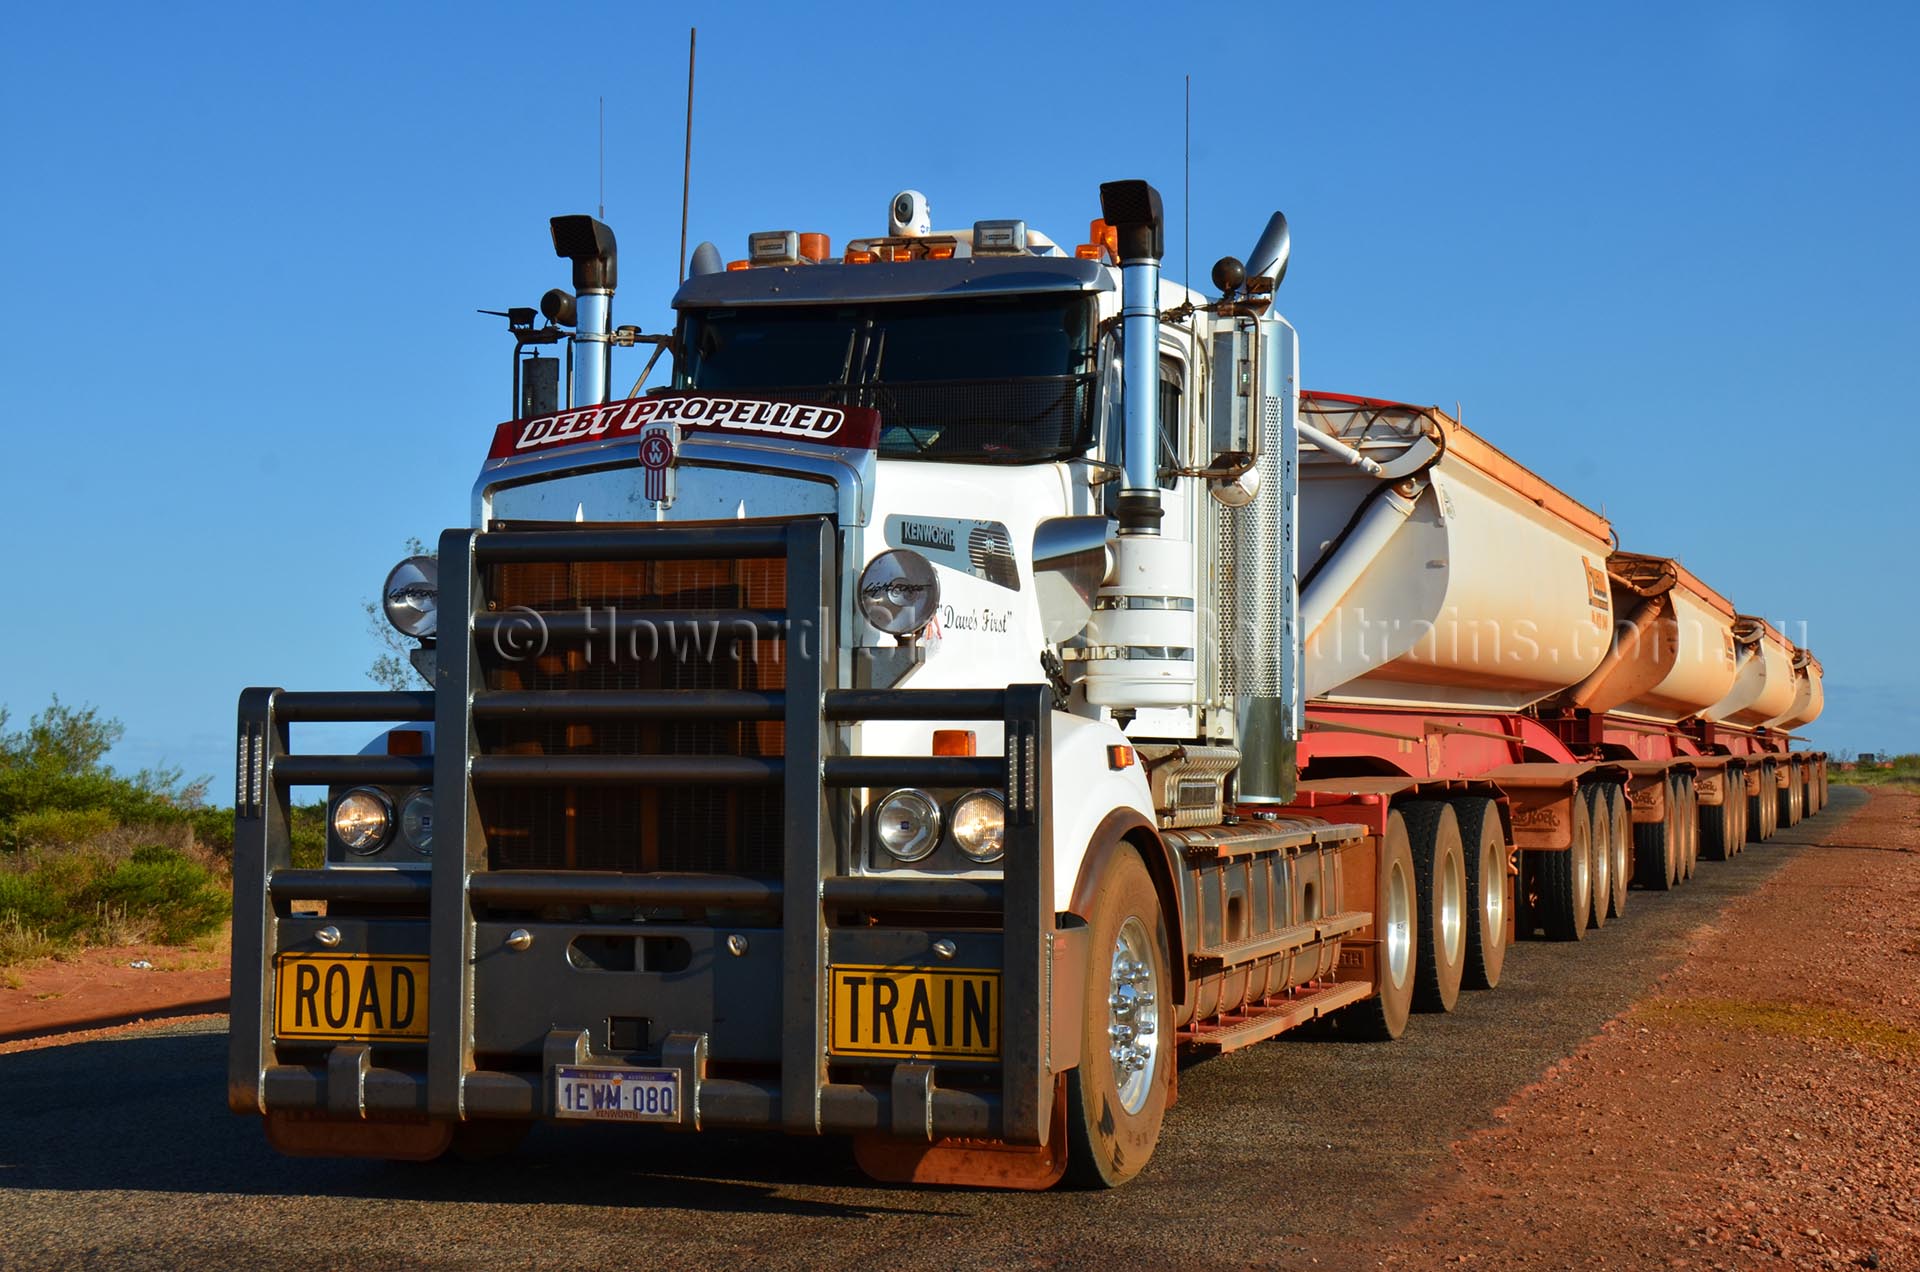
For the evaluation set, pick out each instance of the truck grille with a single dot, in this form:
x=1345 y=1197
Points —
x=634 y=828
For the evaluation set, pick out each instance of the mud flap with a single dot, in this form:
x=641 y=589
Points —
x=975 y=1163
x=311 y=1133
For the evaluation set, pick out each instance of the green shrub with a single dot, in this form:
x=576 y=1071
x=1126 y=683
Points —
x=174 y=898
x=59 y=827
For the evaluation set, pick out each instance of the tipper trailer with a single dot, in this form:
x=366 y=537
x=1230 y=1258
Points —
x=979 y=675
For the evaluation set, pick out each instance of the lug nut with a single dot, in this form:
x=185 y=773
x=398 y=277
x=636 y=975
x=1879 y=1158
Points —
x=737 y=945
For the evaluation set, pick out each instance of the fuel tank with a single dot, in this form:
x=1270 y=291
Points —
x=1672 y=655
x=1763 y=684
x=1446 y=573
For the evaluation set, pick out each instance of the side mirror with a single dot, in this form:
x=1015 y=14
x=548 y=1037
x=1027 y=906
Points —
x=1234 y=422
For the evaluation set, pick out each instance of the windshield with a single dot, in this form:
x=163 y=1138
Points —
x=990 y=380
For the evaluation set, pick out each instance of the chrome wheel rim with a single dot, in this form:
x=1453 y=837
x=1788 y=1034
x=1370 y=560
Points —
x=1582 y=880
x=1622 y=846
x=1493 y=884
x=1133 y=1015
x=1453 y=911
x=1601 y=845
x=1399 y=925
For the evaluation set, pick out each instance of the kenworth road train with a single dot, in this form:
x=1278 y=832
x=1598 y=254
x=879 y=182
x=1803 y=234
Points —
x=982 y=675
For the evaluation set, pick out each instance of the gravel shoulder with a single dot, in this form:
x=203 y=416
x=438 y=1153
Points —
x=119 y=1151
x=1759 y=1109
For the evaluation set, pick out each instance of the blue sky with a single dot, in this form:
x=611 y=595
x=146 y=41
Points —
x=1661 y=253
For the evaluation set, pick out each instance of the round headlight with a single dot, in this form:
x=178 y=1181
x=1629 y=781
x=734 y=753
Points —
x=416 y=822
x=899 y=591
x=362 y=820
x=908 y=824
x=979 y=822
x=411 y=596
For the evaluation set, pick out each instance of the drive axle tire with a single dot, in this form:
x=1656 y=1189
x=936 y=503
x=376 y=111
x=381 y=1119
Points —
x=1440 y=889
x=1600 y=852
x=1117 y=1096
x=1486 y=859
x=1566 y=879
x=1396 y=927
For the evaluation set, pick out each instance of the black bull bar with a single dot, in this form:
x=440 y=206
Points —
x=1040 y=966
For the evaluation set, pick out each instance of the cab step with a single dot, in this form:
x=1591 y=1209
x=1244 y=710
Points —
x=1234 y=1030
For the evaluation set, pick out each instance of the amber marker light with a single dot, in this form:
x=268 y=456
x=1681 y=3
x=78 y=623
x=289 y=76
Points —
x=958 y=742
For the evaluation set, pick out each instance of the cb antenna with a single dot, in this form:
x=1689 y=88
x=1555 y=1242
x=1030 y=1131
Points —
x=1186 y=233
x=603 y=156
x=686 y=170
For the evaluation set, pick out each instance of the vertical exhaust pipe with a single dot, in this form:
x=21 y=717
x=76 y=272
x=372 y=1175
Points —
x=1132 y=208
x=589 y=245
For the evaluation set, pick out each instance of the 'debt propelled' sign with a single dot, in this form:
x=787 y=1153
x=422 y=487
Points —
x=852 y=426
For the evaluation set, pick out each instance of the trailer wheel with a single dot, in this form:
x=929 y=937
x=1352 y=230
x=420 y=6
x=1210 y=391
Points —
x=1716 y=832
x=1566 y=879
x=1654 y=847
x=1440 y=887
x=1690 y=827
x=1396 y=927
x=1736 y=806
x=1620 y=845
x=1486 y=860
x=1788 y=806
x=1600 y=849
x=1764 y=807
x=1117 y=1096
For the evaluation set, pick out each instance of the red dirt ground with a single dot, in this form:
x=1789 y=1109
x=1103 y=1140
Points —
x=52 y=1000
x=1761 y=1108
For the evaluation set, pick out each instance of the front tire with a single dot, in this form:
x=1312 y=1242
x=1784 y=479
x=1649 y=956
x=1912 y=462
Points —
x=1117 y=1097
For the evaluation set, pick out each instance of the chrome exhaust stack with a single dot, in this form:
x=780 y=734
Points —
x=1133 y=209
x=589 y=244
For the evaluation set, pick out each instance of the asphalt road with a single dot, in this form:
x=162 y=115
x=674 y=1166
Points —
x=121 y=1152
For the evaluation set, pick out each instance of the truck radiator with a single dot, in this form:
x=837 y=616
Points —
x=577 y=628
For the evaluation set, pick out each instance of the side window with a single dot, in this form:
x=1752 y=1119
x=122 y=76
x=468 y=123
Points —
x=1173 y=418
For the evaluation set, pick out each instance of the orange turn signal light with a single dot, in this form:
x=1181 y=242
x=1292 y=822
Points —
x=953 y=742
x=733 y=265
x=859 y=258
x=406 y=742
x=1087 y=252
x=1119 y=757
x=942 y=252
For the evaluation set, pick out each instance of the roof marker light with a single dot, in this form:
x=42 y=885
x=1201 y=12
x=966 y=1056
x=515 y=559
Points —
x=774 y=247
x=999 y=238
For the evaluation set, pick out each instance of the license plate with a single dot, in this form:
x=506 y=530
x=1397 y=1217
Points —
x=351 y=998
x=916 y=1013
x=616 y=1095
